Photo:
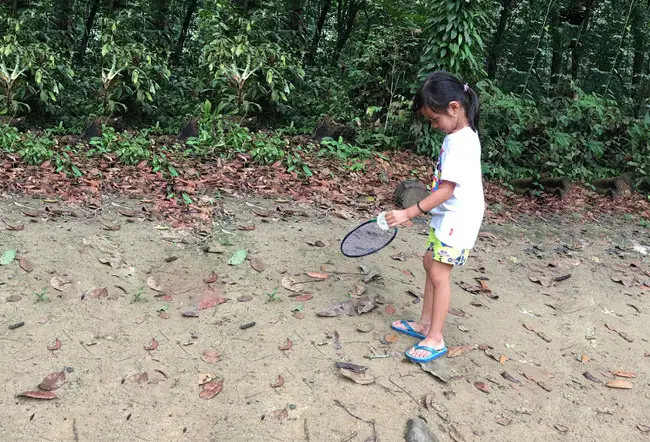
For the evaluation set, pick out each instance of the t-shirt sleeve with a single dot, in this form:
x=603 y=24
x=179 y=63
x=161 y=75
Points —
x=454 y=164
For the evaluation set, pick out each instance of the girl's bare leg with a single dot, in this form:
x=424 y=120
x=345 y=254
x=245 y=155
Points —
x=423 y=325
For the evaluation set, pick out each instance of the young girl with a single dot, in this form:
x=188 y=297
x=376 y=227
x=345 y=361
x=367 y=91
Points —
x=456 y=205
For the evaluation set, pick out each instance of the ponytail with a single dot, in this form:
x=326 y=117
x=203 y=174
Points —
x=440 y=88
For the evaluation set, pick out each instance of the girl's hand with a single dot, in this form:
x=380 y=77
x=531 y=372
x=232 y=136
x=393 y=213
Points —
x=397 y=218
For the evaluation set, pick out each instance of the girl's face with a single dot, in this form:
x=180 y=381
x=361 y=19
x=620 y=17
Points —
x=448 y=122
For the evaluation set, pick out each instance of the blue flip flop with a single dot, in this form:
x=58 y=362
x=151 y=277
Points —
x=435 y=354
x=407 y=330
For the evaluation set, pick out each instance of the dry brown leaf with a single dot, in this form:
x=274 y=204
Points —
x=481 y=386
x=281 y=414
x=363 y=378
x=211 y=356
x=643 y=428
x=211 y=279
x=287 y=346
x=101 y=293
x=562 y=428
x=504 y=421
x=620 y=383
x=210 y=298
x=623 y=374
x=52 y=381
x=317 y=275
x=153 y=284
x=247 y=228
x=141 y=378
x=152 y=346
x=392 y=338
x=299 y=315
x=55 y=346
x=211 y=389
x=456 y=351
x=291 y=284
x=302 y=298
x=257 y=265
x=390 y=309
x=26 y=265
x=279 y=382
x=39 y=394
x=58 y=282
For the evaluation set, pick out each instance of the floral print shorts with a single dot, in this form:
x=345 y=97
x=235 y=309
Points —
x=445 y=254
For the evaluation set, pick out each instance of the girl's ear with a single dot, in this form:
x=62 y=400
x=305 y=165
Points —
x=453 y=108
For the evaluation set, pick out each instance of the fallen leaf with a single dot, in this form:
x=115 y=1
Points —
x=247 y=228
x=456 y=312
x=363 y=378
x=52 y=381
x=211 y=279
x=541 y=280
x=508 y=377
x=428 y=368
x=316 y=275
x=463 y=328
x=643 y=428
x=7 y=257
x=279 y=382
x=257 y=264
x=16 y=227
x=55 y=346
x=503 y=359
x=141 y=378
x=58 y=282
x=45 y=395
x=152 y=346
x=204 y=378
x=623 y=374
x=211 y=356
x=153 y=284
x=455 y=434
x=26 y=265
x=619 y=383
x=210 y=298
x=302 y=298
x=365 y=327
x=247 y=325
x=591 y=377
x=211 y=389
x=101 y=293
x=343 y=214
x=291 y=284
x=287 y=346
x=281 y=414
x=399 y=257
x=456 y=351
x=317 y=243
x=13 y=298
x=298 y=315
x=390 y=309
x=504 y=421
x=481 y=386
x=191 y=313
x=359 y=289
x=407 y=272
x=238 y=257
x=391 y=338
x=245 y=298
x=163 y=315
x=562 y=428
x=127 y=213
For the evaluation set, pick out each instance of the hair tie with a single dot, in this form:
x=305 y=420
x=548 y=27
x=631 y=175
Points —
x=466 y=87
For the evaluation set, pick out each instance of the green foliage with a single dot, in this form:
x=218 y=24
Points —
x=454 y=40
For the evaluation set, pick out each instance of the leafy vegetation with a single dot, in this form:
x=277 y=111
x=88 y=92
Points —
x=564 y=85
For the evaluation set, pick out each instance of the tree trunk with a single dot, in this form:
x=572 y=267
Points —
x=346 y=19
x=89 y=25
x=577 y=47
x=639 y=41
x=494 y=54
x=319 y=29
x=557 y=57
x=191 y=9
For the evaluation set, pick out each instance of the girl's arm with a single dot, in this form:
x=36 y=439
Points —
x=442 y=194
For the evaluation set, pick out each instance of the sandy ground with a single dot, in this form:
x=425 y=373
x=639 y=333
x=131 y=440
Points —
x=545 y=335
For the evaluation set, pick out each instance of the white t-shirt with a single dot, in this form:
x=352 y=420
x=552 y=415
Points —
x=458 y=220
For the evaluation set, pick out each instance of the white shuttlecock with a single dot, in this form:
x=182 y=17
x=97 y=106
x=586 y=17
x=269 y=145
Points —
x=381 y=221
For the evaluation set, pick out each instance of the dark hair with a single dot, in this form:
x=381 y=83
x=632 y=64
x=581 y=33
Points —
x=440 y=88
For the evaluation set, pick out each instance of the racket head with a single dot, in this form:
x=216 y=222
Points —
x=366 y=239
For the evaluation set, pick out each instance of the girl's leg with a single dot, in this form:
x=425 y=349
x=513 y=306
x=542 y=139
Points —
x=439 y=276
x=423 y=325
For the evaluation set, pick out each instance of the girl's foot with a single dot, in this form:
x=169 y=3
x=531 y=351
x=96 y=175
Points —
x=435 y=345
x=409 y=327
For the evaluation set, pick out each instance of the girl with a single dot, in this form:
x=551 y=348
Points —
x=456 y=205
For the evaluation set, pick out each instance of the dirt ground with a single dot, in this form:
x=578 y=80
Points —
x=543 y=335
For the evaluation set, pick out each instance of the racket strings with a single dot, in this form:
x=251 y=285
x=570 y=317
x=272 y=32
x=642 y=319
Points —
x=365 y=239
